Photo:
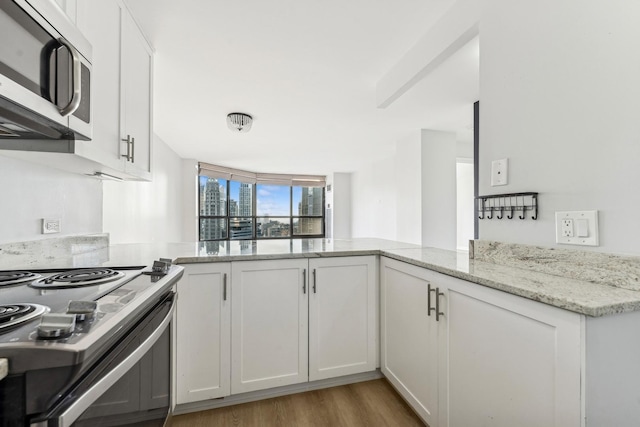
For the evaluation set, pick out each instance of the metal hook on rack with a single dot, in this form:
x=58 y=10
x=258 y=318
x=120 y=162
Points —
x=501 y=212
x=490 y=210
x=511 y=216
x=524 y=212
x=482 y=210
x=534 y=200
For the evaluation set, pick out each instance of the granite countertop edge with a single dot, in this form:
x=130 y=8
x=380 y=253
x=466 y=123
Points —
x=255 y=257
x=587 y=307
x=622 y=300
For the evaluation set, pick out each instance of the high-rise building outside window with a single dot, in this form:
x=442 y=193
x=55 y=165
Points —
x=241 y=205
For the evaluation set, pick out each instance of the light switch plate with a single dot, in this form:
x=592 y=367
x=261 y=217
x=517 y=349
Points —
x=499 y=172
x=577 y=228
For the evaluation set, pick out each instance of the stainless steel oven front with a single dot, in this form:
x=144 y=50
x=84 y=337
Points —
x=87 y=347
x=129 y=385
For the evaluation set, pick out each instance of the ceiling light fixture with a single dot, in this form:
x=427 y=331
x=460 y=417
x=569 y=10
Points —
x=239 y=122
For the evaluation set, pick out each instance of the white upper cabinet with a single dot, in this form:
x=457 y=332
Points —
x=69 y=7
x=136 y=99
x=122 y=82
x=101 y=22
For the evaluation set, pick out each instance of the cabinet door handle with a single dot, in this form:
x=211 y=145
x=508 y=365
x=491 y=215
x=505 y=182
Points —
x=438 y=312
x=314 y=280
x=429 y=309
x=224 y=287
x=304 y=281
x=128 y=156
x=133 y=149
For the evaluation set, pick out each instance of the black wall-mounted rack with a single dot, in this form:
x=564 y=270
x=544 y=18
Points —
x=496 y=205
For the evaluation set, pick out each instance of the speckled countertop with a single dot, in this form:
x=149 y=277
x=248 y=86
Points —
x=508 y=268
x=580 y=296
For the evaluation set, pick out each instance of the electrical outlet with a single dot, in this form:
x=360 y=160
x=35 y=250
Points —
x=577 y=228
x=567 y=227
x=499 y=172
x=50 y=226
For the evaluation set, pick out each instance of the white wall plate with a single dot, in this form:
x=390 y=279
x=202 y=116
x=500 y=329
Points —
x=577 y=228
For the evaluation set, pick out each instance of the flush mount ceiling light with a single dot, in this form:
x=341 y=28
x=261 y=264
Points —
x=239 y=122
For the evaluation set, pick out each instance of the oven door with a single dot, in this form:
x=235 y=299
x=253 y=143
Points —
x=131 y=383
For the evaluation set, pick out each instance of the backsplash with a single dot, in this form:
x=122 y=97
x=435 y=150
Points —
x=79 y=250
x=31 y=192
x=614 y=270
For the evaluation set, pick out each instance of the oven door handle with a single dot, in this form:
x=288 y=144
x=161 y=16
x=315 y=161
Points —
x=73 y=412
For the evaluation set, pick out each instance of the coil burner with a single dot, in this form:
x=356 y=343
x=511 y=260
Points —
x=16 y=314
x=78 y=278
x=10 y=278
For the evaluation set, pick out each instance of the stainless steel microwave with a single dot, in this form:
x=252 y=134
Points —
x=45 y=74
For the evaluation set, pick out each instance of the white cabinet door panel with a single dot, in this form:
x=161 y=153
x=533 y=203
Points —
x=136 y=93
x=409 y=337
x=511 y=361
x=342 y=316
x=269 y=325
x=203 y=339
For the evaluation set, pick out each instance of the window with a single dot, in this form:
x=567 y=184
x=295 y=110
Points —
x=240 y=205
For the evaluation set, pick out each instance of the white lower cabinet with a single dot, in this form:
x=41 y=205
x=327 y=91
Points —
x=203 y=340
x=409 y=337
x=490 y=359
x=283 y=322
x=343 y=297
x=269 y=325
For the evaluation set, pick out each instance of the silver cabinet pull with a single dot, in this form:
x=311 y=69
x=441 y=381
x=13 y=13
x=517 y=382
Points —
x=304 y=281
x=224 y=287
x=314 y=280
x=76 y=77
x=437 y=307
x=133 y=150
x=438 y=312
x=129 y=155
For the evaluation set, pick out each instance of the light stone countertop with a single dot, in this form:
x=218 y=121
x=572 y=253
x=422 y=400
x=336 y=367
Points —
x=581 y=295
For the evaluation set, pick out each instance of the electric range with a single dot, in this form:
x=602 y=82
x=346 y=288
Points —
x=64 y=333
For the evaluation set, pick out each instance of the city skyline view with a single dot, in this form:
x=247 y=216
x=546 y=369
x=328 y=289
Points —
x=275 y=212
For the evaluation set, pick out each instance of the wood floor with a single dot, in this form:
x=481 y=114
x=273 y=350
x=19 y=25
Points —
x=366 y=404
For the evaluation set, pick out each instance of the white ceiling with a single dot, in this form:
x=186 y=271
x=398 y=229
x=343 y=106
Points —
x=306 y=71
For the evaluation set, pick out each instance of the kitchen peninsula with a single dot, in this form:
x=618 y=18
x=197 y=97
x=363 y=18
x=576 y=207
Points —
x=495 y=335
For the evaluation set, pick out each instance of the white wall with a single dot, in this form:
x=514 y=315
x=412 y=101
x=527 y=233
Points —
x=464 y=203
x=410 y=197
x=190 y=214
x=139 y=212
x=373 y=200
x=409 y=189
x=560 y=90
x=30 y=192
x=439 y=220
x=341 y=205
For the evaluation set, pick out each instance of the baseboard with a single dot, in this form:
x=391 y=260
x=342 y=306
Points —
x=275 y=392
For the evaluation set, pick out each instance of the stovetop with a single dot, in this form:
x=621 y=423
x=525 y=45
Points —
x=118 y=295
x=42 y=288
